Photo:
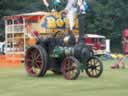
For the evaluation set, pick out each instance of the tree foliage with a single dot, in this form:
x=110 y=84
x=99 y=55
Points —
x=109 y=17
x=106 y=17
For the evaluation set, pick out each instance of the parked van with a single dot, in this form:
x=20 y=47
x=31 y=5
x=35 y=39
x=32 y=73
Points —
x=2 y=47
x=99 y=44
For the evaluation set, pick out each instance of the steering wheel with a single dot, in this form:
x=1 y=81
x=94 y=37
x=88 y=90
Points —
x=59 y=34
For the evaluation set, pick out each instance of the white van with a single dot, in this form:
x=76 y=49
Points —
x=2 y=47
x=99 y=44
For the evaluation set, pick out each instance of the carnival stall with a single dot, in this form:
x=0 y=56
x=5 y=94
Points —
x=23 y=29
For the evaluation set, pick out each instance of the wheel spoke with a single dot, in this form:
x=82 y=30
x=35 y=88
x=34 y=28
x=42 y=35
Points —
x=37 y=57
x=38 y=61
x=28 y=60
x=95 y=61
x=98 y=69
x=37 y=52
x=29 y=69
x=33 y=57
x=97 y=65
x=93 y=72
x=96 y=72
x=91 y=62
x=37 y=65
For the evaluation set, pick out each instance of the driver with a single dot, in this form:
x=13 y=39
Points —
x=78 y=7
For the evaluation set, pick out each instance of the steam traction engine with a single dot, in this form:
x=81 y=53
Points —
x=62 y=55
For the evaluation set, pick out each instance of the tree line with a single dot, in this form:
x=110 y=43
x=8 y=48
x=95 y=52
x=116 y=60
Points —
x=105 y=17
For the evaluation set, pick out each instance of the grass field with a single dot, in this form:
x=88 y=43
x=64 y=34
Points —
x=15 y=82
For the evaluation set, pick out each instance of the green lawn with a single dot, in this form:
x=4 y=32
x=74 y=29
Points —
x=15 y=82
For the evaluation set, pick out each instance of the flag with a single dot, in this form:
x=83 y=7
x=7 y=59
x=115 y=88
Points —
x=46 y=3
x=85 y=5
x=79 y=2
x=57 y=2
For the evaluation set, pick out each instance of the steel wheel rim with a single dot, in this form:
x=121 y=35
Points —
x=70 y=69
x=94 y=67
x=33 y=62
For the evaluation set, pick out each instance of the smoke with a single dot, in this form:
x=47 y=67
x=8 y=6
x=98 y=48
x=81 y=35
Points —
x=71 y=15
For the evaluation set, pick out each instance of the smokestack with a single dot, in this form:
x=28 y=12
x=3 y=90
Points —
x=81 y=22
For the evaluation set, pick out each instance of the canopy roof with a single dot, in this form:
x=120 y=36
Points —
x=94 y=36
x=38 y=13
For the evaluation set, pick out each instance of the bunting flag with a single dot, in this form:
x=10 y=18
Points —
x=85 y=5
x=46 y=3
x=57 y=2
x=79 y=2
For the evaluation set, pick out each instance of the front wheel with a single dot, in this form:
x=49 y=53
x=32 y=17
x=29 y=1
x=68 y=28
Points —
x=94 y=67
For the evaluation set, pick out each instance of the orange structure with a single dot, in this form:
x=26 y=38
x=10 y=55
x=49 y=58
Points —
x=10 y=60
x=22 y=30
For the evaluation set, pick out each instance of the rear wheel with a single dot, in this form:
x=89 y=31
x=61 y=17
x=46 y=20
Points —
x=36 y=61
x=70 y=68
x=94 y=67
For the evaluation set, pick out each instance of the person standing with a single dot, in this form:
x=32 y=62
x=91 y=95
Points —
x=71 y=10
x=78 y=7
x=82 y=7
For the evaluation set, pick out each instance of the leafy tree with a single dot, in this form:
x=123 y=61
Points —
x=106 y=17
x=109 y=17
x=12 y=7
